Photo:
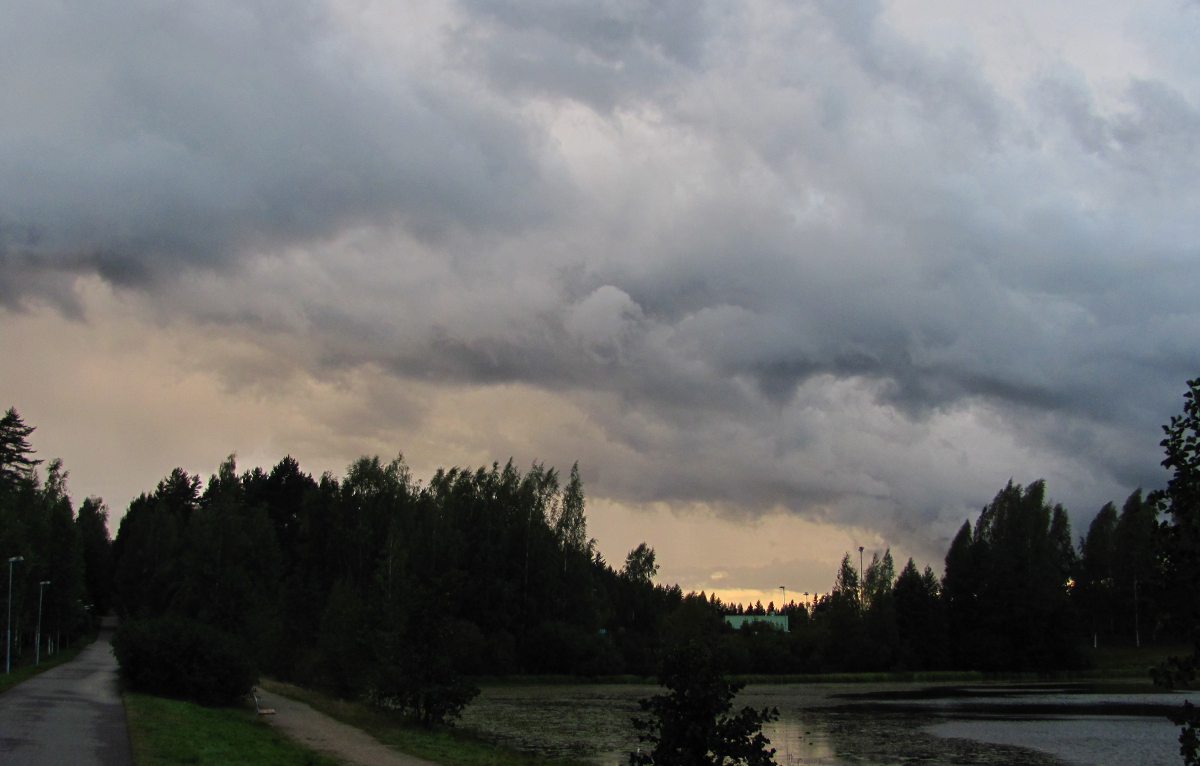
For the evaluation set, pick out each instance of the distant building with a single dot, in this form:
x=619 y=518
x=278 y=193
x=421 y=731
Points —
x=777 y=621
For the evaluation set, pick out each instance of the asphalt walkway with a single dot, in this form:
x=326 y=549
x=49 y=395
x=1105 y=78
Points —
x=69 y=716
x=320 y=732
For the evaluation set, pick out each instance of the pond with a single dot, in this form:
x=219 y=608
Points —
x=836 y=725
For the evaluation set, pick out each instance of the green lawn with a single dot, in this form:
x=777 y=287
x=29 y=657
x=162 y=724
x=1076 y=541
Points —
x=450 y=747
x=21 y=672
x=1127 y=658
x=165 y=732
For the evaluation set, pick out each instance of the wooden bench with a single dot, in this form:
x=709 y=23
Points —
x=258 y=710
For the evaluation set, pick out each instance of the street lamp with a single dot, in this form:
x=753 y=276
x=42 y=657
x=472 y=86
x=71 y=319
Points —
x=37 y=654
x=8 y=646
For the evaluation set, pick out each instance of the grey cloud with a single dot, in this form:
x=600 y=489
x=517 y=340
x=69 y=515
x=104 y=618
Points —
x=781 y=255
x=140 y=137
x=601 y=53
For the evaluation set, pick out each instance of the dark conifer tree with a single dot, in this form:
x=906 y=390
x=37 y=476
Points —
x=1095 y=584
x=1136 y=568
x=1007 y=585
x=16 y=461
x=92 y=521
x=1180 y=566
x=920 y=625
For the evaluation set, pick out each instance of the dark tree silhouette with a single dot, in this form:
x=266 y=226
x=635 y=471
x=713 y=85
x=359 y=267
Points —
x=1181 y=570
x=15 y=452
x=691 y=725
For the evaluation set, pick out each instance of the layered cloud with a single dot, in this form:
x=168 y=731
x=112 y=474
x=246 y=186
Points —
x=858 y=261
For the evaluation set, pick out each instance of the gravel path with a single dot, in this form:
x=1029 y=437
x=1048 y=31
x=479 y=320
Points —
x=69 y=716
x=320 y=732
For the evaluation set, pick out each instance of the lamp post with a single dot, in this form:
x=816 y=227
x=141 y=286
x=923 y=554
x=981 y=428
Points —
x=8 y=645
x=37 y=654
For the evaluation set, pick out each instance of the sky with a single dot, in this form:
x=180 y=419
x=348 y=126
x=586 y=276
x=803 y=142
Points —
x=785 y=278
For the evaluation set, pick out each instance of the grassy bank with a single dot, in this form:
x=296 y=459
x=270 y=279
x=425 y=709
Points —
x=21 y=672
x=1117 y=659
x=450 y=747
x=1115 y=671
x=165 y=732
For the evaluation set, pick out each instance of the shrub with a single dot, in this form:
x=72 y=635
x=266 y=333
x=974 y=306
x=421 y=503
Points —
x=185 y=659
x=418 y=676
x=692 y=724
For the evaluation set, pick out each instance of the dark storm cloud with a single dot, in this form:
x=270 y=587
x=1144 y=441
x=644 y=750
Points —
x=142 y=136
x=781 y=253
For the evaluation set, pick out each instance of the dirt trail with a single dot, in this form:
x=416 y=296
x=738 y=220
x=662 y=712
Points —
x=320 y=732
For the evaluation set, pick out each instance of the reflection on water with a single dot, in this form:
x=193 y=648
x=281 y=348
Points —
x=861 y=724
x=800 y=741
x=1080 y=739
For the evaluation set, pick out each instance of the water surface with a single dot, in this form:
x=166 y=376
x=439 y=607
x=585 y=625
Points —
x=838 y=724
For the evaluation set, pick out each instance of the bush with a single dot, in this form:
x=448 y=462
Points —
x=417 y=674
x=693 y=724
x=185 y=659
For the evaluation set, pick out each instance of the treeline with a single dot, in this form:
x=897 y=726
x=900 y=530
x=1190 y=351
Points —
x=1004 y=603
x=1017 y=593
x=56 y=556
x=1016 y=596
x=374 y=584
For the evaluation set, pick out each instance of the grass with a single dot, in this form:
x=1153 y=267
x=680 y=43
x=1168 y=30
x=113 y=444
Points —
x=1117 y=659
x=21 y=672
x=1135 y=668
x=447 y=746
x=166 y=732
x=1108 y=662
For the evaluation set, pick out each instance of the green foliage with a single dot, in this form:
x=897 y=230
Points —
x=877 y=582
x=15 y=461
x=1180 y=567
x=373 y=586
x=1182 y=446
x=639 y=564
x=691 y=724
x=1095 y=585
x=920 y=620
x=847 y=587
x=37 y=523
x=92 y=522
x=417 y=674
x=184 y=659
x=1007 y=586
x=447 y=746
x=571 y=525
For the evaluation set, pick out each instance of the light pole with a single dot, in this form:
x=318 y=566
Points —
x=8 y=645
x=37 y=654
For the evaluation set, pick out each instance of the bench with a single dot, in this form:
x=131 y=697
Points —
x=258 y=710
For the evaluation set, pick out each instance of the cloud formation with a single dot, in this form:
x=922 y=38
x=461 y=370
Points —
x=861 y=261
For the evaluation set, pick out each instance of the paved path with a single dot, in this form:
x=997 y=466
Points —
x=69 y=716
x=320 y=732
